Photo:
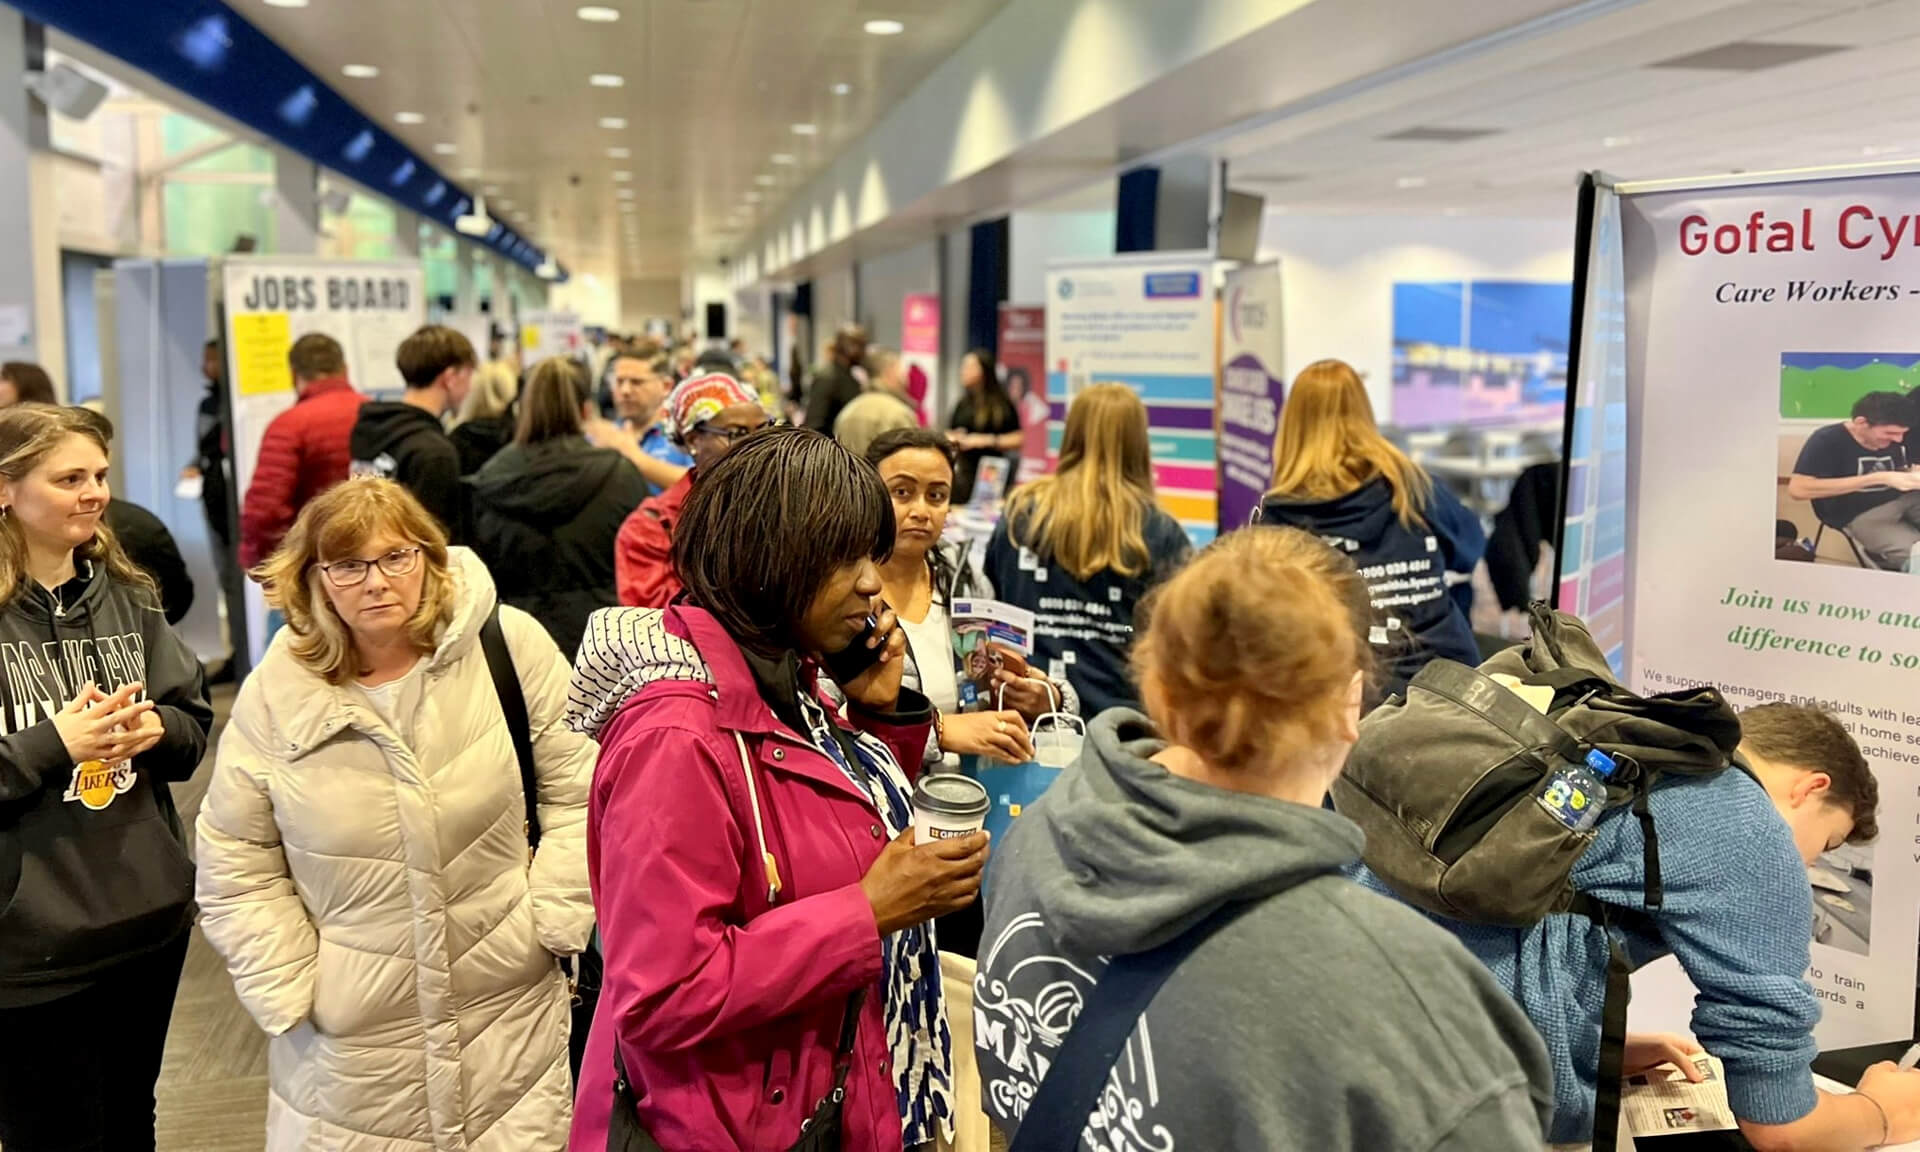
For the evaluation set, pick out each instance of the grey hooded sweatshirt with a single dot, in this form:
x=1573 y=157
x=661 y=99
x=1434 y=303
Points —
x=1326 y=1019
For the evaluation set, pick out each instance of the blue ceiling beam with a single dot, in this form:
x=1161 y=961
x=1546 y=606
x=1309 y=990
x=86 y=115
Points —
x=211 y=53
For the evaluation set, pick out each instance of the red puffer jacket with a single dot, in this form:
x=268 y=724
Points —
x=302 y=455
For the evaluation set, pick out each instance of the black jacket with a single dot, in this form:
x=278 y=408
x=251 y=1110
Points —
x=834 y=387
x=151 y=548
x=94 y=866
x=1405 y=568
x=408 y=445
x=477 y=440
x=1513 y=551
x=545 y=519
x=210 y=429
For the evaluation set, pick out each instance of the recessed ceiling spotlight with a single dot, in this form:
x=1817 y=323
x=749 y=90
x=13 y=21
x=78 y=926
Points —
x=469 y=173
x=286 y=3
x=492 y=189
x=444 y=149
x=625 y=193
x=1615 y=141
x=885 y=27
x=1880 y=149
x=752 y=197
x=1411 y=182
x=614 y=122
x=622 y=177
x=607 y=80
x=619 y=153
x=782 y=158
x=594 y=14
x=806 y=129
x=842 y=89
x=359 y=71
x=408 y=118
x=765 y=181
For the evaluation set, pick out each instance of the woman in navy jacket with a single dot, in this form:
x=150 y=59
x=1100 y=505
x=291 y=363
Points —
x=1337 y=477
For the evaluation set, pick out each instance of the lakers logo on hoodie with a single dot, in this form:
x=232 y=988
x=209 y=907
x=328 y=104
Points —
x=95 y=784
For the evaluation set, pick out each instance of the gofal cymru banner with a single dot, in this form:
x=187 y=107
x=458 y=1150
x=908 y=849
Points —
x=1772 y=357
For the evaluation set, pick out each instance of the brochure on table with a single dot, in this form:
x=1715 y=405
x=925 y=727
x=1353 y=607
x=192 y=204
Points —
x=270 y=302
x=1250 y=390
x=1755 y=316
x=1146 y=321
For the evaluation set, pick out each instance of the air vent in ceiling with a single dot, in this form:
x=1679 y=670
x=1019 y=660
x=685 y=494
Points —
x=1433 y=134
x=1750 y=56
x=1266 y=177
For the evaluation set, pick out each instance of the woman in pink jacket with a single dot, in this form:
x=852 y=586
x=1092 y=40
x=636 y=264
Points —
x=752 y=854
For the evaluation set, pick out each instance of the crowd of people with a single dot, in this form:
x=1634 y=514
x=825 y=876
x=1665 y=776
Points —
x=573 y=803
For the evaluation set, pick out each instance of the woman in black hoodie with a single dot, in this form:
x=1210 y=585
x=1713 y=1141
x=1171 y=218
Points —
x=100 y=706
x=1336 y=476
x=546 y=509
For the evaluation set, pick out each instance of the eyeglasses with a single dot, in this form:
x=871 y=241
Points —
x=347 y=573
x=733 y=435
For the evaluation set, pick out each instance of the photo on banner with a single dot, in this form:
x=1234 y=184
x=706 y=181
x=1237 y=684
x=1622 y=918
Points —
x=1023 y=358
x=1767 y=392
x=920 y=352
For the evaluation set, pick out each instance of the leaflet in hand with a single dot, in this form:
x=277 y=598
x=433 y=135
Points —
x=1663 y=1101
x=988 y=635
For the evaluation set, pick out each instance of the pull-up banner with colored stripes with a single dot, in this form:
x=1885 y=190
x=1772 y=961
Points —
x=1147 y=321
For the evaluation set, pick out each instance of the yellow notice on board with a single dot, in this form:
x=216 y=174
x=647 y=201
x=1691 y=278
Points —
x=529 y=337
x=261 y=341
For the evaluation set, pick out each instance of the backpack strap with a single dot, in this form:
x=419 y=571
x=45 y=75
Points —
x=513 y=705
x=1100 y=1032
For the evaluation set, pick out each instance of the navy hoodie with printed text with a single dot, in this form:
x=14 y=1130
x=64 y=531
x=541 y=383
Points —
x=1405 y=567
x=94 y=868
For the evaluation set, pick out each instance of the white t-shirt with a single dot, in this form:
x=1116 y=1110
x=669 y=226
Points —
x=384 y=697
x=932 y=644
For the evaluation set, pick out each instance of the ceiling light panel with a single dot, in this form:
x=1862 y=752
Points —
x=1750 y=56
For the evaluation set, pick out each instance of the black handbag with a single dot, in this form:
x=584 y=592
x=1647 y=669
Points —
x=820 y=1132
x=583 y=972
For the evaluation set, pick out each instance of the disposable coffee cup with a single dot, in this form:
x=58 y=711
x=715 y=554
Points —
x=946 y=805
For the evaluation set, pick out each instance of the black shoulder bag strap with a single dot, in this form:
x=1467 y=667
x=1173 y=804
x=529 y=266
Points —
x=513 y=705
x=1100 y=1032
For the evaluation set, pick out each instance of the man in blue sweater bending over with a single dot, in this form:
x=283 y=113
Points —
x=1738 y=914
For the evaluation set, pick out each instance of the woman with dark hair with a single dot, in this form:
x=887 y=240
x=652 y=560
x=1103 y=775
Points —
x=759 y=890
x=921 y=580
x=22 y=382
x=548 y=506
x=985 y=423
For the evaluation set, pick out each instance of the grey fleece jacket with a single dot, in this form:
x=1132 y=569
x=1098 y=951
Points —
x=1327 y=1019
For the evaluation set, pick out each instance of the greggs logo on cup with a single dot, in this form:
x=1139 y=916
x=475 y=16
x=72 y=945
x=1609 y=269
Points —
x=946 y=805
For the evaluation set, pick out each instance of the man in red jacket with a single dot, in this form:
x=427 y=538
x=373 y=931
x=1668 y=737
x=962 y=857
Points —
x=707 y=416
x=305 y=449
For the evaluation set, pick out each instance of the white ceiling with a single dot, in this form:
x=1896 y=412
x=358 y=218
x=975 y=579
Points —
x=1590 y=97
x=712 y=91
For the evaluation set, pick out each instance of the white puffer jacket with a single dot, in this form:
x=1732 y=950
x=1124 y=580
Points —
x=370 y=891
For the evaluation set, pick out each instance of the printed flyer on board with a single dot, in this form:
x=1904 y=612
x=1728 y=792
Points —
x=1773 y=353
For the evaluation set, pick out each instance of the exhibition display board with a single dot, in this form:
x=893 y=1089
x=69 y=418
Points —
x=271 y=301
x=547 y=333
x=1250 y=392
x=1146 y=321
x=1732 y=330
x=920 y=353
x=1023 y=359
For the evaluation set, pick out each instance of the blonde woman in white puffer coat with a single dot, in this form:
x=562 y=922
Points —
x=363 y=856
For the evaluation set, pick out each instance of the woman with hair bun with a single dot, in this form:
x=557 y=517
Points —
x=1316 y=1014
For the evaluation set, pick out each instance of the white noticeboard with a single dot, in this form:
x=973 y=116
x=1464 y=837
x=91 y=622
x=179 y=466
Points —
x=1756 y=318
x=272 y=301
x=550 y=333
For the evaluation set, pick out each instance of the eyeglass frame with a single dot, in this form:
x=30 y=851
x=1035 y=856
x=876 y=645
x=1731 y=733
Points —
x=731 y=435
x=413 y=553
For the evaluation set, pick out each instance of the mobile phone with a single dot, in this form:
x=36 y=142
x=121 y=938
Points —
x=851 y=662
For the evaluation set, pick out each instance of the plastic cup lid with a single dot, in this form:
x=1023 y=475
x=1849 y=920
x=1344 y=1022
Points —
x=950 y=794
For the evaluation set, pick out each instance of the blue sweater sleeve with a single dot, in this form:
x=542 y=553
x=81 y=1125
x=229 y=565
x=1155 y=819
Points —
x=1738 y=916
